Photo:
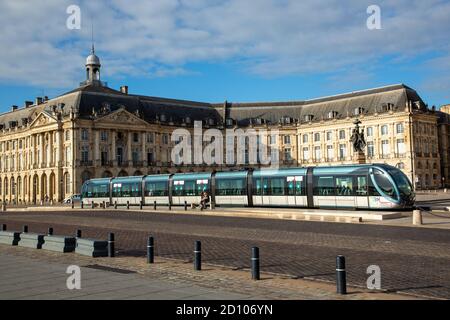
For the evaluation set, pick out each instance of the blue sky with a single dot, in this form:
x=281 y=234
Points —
x=239 y=50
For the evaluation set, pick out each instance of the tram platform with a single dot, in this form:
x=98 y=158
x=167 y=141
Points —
x=347 y=216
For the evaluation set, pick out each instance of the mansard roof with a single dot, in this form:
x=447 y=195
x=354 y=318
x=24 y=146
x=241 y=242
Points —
x=343 y=105
x=95 y=100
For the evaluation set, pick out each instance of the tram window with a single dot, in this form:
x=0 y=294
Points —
x=177 y=190
x=383 y=183
x=265 y=187
x=127 y=190
x=323 y=186
x=156 y=189
x=372 y=190
x=200 y=188
x=257 y=187
x=291 y=188
x=189 y=188
x=100 y=191
x=344 y=186
x=295 y=188
x=361 y=188
x=277 y=186
x=230 y=187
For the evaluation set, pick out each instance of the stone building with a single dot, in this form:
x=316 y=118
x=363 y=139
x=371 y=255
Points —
x=49 y=147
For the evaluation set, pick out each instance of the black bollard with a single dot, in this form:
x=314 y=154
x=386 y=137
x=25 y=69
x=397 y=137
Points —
x=154 y=205
x=25 y=229
x=93 y=205
x=255 y=263
x=73 y=205
x=81 y=204
x=150 y=250
x=78 y=234
x=104 y=205
x=128 y=204
x=170 y=206
x=50 y=231
x=140 y=205
x=185 y=206
x=341 y=281
x=3 y=227
x=111 y=245
x=115 y=204
x=198 y=256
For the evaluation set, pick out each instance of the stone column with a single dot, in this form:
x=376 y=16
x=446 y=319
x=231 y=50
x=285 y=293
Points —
x=129 y=158
x=59 y=148
x=97 y=148
x=41 y=150
x=50 y=149
x=144 y=153
x=113 y=148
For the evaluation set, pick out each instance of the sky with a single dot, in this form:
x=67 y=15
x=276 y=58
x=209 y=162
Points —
x=217 y=50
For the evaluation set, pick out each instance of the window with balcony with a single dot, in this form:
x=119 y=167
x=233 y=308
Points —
x=305 y=153
x=287 y=154
x=385 y=148
x=342 y=151
x=135 y=137
x=150 y=137
x=84 y=135
x=370 y=150
x=400 y=148
x=330 y=153
x=317 y=153
x=104 y=135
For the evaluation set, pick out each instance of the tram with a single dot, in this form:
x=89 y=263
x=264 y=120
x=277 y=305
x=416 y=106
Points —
x=367 y=186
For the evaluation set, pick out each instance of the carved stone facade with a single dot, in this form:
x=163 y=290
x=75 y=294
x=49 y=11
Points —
x=48 y=148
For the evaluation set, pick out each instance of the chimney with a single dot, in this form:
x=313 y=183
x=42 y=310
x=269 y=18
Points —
x=28 y=103
x=124 y=89
x=45 y=98
x=14 y=108
x=38 y=101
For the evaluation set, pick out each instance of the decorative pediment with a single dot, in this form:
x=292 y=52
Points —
x=43 y=119
x=121 y=116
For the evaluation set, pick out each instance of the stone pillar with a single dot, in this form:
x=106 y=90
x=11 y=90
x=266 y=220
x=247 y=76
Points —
x=129 y=158
x=144 y=153
x=41 y=150
x=113 y=147
x=417 y=217
x=96 y=148
x=59 y=148
x=50 y=150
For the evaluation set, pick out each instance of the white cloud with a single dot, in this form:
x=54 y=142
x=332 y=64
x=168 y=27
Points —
x=264 y=37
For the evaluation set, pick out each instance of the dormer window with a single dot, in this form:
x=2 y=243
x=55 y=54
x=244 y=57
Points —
x=332 y=115
x=308 y=117
x=385 y=107
x=229 y=122
x=358 y=111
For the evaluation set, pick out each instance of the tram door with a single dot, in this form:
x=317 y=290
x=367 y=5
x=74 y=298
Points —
x=362 y=195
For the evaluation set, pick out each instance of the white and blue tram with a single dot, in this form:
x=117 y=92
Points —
x=369 y=186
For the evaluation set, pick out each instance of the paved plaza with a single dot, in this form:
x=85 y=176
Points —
x=413 y=260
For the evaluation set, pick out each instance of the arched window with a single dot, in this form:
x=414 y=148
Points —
x=67 y=182
x=6 y=186
x=19 y=186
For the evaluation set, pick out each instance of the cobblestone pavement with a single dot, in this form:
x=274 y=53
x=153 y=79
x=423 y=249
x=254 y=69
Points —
x=412 y=260
x=40 y=274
